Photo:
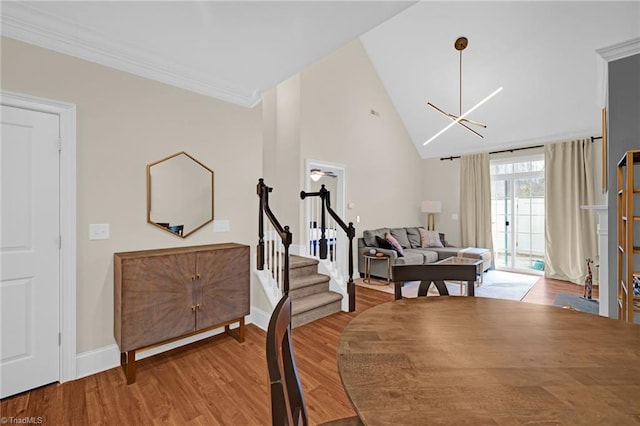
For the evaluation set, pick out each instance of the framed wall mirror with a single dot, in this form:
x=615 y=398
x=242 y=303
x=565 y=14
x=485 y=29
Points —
x=179 y=194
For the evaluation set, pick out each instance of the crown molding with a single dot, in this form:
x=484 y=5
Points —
x=606 y=55
x=35 y=26
x=620 y=50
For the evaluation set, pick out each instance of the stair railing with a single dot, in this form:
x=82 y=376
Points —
x=276 y=240
x=322 y=245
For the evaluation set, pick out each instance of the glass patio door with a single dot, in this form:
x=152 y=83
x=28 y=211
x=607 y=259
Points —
x=517 y=197
x=501 y=209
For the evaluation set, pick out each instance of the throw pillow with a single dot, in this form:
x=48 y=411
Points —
x=400 y=234
x=394 y=244
x=443 y=240
x=430 y=238
x=370 y=236
x=382 y=243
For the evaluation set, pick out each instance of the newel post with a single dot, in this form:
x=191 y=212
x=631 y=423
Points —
x=260 y=248
x=351 y=286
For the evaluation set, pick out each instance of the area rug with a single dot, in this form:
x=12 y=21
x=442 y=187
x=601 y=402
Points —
x=572 y=301
x=495 y=284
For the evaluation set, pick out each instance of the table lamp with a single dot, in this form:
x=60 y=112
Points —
x=431 y=208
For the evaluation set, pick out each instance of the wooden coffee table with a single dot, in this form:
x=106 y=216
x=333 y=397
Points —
x=452 y=268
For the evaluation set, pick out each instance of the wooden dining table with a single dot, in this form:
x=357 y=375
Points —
x=449 y=360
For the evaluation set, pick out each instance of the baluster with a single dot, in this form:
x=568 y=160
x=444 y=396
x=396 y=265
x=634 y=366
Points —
x=276 y=259
x=270 y=253
x=267 y=267
x=330 y=237
x=313 y=203
x=280 y=265
x=267 y=248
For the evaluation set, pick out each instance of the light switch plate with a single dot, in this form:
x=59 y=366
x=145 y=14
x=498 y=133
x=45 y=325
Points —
x=99 y=231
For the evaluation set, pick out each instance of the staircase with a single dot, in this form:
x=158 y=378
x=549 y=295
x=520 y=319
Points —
x=311 y=298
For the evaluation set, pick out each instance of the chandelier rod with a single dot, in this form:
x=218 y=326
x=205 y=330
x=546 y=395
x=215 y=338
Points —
x=460 y=81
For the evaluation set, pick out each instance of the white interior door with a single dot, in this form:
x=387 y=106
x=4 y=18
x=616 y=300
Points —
x=29 y=250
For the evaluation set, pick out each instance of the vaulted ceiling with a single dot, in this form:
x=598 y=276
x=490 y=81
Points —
x=543 y=54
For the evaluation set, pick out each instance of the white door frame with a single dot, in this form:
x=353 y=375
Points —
x=340 y=172
x=340 y=199
x=67 y=114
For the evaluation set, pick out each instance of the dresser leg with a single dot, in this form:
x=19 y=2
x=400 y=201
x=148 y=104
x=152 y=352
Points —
x=128 y=363
x=238 y=333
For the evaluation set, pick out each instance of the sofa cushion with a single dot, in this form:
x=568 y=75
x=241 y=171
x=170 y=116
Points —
x=394 y=244
x=370 y=236
x=427 y=255
x=445 y=252
x=400 y=234
x=411 y=257
x=413 y=235
x=430 y=238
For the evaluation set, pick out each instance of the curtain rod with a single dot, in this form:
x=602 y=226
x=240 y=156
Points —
x=593 y=138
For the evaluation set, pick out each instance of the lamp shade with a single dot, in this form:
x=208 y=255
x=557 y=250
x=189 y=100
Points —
x=431 y=206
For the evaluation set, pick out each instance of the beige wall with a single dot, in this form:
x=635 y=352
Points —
x=324 y=114
x=123 y=123
x=126 y=122
x=441 y=182
x=287 y=182
x=382 y=165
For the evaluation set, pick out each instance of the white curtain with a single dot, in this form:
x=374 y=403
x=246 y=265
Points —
x=570 y=232
x=475 y=201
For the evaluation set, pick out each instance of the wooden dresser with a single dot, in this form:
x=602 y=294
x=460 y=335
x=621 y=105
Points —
x=167 y=294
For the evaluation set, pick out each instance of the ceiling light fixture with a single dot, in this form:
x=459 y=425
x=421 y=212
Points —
x=316 y=174
x=462 y=117
x=460 y=44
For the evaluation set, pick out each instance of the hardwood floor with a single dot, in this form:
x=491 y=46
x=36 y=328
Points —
x=217 y=381
x=546 y=289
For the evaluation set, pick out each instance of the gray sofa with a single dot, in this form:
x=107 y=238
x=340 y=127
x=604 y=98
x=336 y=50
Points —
x=414 y=253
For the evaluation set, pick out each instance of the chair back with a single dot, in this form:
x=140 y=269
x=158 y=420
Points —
x=287 y=399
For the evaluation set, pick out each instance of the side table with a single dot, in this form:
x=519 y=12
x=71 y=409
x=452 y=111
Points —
x=367 y=266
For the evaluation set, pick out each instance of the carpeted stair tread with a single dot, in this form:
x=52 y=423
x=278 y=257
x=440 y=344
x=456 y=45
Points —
x=307 y=280
x=316 y=313
x=302 y=266
x=300 y=261
x=313 y=301
x=311 y=298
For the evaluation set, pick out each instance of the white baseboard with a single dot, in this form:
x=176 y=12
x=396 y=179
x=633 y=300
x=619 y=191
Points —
x=107 y=357
x=259 y=318
x=97 y=360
